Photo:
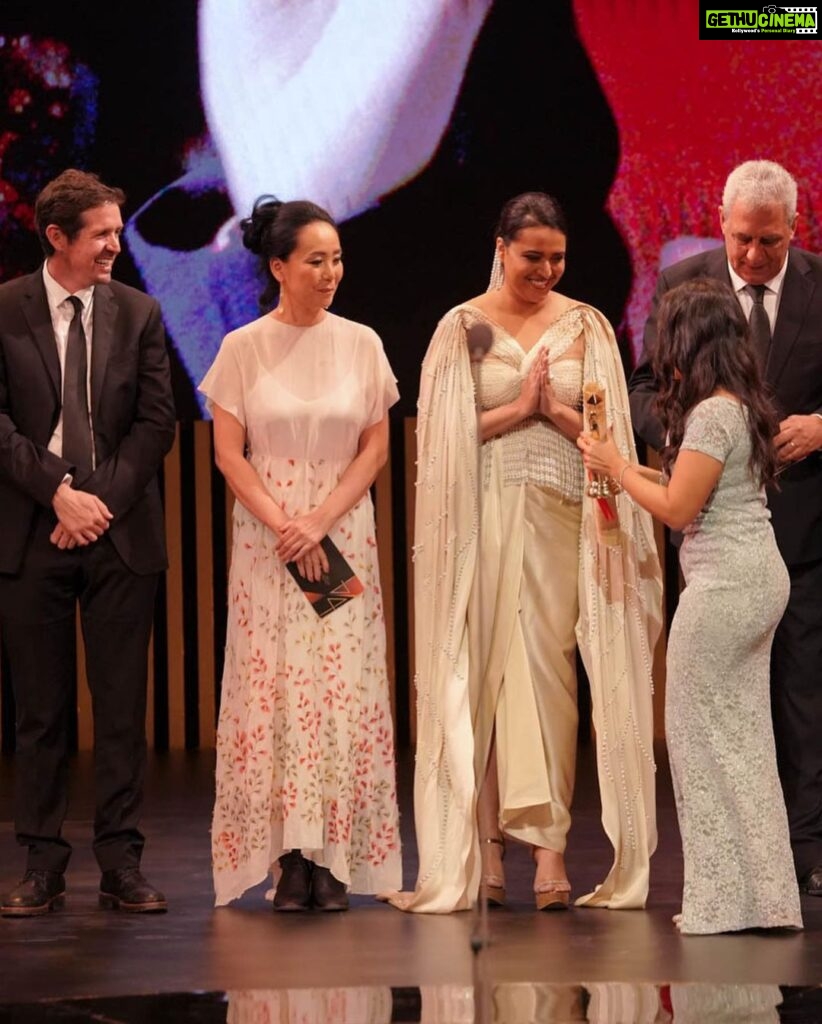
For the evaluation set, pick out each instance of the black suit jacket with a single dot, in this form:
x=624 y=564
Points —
x=794 y=373
x=132 y=417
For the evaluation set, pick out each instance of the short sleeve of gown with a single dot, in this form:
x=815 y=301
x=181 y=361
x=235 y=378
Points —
x=712 y=429
x=380 y=383
x=223 y=385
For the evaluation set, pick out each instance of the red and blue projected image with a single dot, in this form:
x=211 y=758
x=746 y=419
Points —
x=411 y=122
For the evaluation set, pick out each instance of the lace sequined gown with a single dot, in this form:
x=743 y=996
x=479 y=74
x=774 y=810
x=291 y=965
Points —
x=738 y=866
x=305 y=753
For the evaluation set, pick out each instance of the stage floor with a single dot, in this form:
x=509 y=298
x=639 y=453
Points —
x=86 y=953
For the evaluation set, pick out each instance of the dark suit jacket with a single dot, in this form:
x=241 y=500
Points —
x=132 y=417
x=794 y=372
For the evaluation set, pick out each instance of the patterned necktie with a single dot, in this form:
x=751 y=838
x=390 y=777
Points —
x=77 y=443
x=759 y=322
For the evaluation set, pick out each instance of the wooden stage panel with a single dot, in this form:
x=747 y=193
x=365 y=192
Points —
x=186 y=654
x=85 y=951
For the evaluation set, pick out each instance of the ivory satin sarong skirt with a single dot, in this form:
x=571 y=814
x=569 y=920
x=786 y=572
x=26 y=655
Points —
x=526 y=606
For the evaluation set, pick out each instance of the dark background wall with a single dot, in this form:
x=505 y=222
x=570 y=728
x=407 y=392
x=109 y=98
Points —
x=614 y=106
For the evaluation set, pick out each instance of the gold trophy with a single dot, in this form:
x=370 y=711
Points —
x=599 y=484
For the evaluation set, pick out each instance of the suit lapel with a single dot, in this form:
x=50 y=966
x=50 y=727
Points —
x=36 y=311
x=797 y=289
x=105 y=313
x=716 y=265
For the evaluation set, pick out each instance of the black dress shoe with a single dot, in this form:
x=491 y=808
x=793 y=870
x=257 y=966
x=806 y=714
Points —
x=327 y=892
x=294 y=887
x=811 y=884
x=126 y=889
x=37 y=893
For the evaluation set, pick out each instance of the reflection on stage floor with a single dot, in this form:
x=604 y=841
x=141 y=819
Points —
x=521 y=1003
x=244 y=963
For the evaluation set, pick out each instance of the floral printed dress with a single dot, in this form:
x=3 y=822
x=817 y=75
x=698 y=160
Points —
x=305 y=753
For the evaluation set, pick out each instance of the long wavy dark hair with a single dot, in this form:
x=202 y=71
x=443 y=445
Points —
x=704 y=344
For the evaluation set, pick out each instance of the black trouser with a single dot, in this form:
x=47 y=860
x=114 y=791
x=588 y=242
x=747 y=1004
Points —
x=796 y=700
x=37 y=610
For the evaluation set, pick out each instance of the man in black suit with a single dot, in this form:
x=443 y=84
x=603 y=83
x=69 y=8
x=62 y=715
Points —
x=86 y=417
x=758 y=218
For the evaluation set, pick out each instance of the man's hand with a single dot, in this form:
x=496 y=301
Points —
x=798 y=436
x=62 y=539
x=82 y=517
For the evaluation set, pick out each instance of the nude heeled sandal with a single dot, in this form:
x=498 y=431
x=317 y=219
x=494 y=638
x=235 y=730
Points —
x=553 y=894
x=492 y=887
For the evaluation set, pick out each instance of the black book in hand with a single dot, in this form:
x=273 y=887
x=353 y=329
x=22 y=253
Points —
x=335 y=587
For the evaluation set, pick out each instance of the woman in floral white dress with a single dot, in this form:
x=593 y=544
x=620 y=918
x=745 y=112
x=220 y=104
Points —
x=305 y=758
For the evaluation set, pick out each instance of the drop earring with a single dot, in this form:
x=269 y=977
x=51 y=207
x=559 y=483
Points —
x=497 y=273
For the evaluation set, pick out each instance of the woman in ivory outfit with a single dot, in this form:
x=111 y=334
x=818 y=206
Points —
x=305 y=758
x=502 y=605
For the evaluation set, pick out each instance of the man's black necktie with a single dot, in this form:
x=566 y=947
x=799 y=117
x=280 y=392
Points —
x=77 y=443
x=759 y=322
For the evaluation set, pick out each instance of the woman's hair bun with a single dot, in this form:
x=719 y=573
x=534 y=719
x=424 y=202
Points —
x=265 y=212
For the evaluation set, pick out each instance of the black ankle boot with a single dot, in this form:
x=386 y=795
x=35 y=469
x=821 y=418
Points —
x=294 y=887
x=328 y=892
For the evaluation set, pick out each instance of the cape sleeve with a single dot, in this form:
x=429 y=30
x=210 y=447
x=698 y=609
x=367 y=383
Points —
x=620 y=596
x=445 y=548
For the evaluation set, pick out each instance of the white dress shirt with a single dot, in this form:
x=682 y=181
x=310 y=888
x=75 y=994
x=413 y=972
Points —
x=770 y=297
x=62 y=313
